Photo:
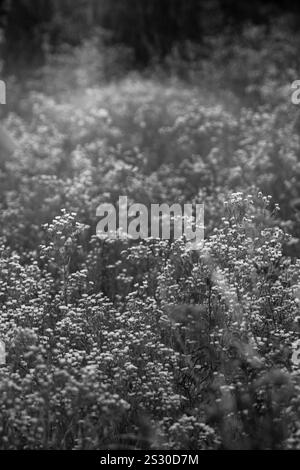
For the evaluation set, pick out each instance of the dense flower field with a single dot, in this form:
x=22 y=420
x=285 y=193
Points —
x=118 y=344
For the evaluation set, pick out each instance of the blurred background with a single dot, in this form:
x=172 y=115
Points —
x=146 y=64
x=134 y=35
x=150 y=29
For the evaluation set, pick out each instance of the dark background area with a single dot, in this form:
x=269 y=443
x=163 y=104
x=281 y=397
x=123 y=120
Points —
x=150 y=28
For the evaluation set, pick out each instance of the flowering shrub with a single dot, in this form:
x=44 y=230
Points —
x=114 y=343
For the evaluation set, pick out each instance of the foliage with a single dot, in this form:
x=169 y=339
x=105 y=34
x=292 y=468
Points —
x=112 y=343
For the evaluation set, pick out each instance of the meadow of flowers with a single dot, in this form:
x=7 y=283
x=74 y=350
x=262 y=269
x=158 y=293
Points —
x=114 y=344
